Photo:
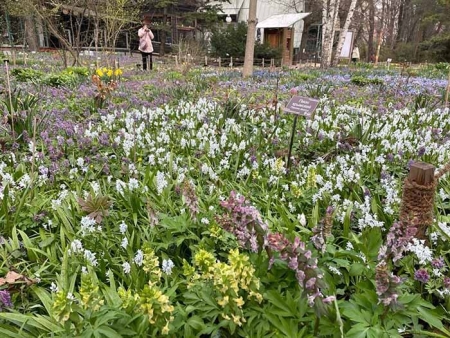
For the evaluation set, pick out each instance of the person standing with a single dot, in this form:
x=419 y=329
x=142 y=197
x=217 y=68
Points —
x=145 y=44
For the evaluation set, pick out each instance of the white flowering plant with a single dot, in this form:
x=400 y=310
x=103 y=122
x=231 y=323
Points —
x=183 y=214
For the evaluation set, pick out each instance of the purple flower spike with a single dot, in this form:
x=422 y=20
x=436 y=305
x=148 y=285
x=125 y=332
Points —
x=422 y=275
x=5 y=299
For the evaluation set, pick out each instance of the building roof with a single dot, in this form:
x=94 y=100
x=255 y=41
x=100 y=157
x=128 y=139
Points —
x=282 y=20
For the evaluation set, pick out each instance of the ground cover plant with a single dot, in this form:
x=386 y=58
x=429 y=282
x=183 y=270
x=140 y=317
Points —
x=146 y=204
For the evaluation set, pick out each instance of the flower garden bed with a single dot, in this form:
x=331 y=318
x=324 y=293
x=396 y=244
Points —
x=168 y=209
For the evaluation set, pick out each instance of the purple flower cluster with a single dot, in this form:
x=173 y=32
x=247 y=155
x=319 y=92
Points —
x=397 y=240
x=300 y=260
x=323 y=230
x=438 y=263
x=244 y=221
x=190 y=198
x=386 y=284
x=422 y=275
x=5 y=299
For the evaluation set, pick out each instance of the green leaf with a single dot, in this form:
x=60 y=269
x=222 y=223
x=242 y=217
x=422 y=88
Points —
x=108 y=332
x=44 y=297
x=356 y=269
x=357 y=331
x=275 y=298
x=355 y=315
x=196 y=323
x=430 y=317
x=47 y=242
x=4 y=332
x=347 y=221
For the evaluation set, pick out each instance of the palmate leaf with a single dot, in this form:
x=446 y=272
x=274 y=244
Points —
x=96 y=206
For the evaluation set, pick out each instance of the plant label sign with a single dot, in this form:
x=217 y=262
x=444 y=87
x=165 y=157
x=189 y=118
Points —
x=303 y=106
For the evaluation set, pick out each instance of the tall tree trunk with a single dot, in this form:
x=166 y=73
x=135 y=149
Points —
x=250 y=44
x=31 y=34
x=392 y=10
x=400 y=23
x=370 y=47
x=343 y=32
x=328 y=31
x=380 y=31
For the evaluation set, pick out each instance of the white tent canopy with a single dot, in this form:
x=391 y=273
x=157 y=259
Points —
x=282 y=20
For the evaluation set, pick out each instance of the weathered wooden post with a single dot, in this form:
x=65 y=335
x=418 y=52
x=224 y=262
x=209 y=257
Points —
x=262 y=62
x=418 y=198
x=206 y=60
x=220 y=62
x=419 y=189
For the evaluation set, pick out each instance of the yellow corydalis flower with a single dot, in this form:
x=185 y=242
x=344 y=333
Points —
x=279 y=165
x=99 y=72
x=296 y=191
x=311 y=180
x=118 y=72
x=239 y=302
x=224 y=301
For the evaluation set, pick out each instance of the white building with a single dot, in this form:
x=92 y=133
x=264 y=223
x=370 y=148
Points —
x=278 y=24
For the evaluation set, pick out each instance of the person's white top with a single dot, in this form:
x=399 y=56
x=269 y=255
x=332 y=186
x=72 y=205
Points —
x=145 y=40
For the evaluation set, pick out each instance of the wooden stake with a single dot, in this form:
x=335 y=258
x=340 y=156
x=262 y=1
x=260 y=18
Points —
x=262 y=62
x=206 y=60
x=291 y=143
x=220 y=62
x=34 y=147
x=10 y=100
x=421 y=173
x=448 y=90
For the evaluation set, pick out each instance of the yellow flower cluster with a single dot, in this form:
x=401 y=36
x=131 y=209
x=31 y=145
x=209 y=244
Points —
x=128 y=299
x=230 y=280
x=256 y=175
x=295 y=189
x=151 y=265
x=151 y=299
x=89 y=293
x=109 y=72
x=311 y=180
x=62 y=306
x=279 y=165
x=153 y=302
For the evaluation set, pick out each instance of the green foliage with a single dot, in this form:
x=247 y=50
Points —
x=23 y=117
x=63 y=79
x=364 y=81
x=437 y=48
x=230 y=42
x=27 y=74
x=66 y=78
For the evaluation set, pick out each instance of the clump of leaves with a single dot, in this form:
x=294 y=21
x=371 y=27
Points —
x=96 y=206
x=364 y=81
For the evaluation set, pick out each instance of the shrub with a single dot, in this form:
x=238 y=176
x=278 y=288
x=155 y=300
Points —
x=62 y=79
x=364 y=81
x=437 y=49
x=27 y=74
x=230 y=42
